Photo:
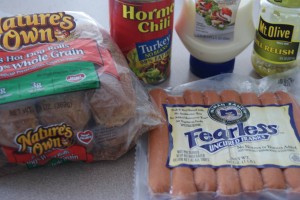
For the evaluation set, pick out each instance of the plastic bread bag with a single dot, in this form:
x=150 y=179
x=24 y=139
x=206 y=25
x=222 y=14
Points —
x=66 y=93
x=226 y=137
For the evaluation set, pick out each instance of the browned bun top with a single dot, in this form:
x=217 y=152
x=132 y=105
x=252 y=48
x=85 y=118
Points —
x=69 y=108
x=114 y=103
x=16 y=118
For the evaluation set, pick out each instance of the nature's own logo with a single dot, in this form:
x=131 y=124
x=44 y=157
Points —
x=24 y=30
x=76 y=78
x=43 y=139
x=235 y=132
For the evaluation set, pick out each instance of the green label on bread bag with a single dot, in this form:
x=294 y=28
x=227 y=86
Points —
x=63 y=78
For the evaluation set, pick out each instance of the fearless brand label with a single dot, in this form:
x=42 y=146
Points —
x=215 y=19
x=267 y=137
x=147 y=46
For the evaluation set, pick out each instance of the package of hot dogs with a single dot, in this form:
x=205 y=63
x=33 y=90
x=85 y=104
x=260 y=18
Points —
x=226 y=137
x=66 y=93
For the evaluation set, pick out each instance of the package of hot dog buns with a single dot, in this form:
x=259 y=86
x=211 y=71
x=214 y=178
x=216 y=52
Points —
x=226 y=137
x=66 y=93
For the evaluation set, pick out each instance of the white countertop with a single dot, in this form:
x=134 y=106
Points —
x=107 y=180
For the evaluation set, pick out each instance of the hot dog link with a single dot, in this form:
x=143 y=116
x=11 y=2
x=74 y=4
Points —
x=159 y=177
x=228 y=178
x=182 y=177
x=273 y=178
x=205 y=177
x=291 y=174
x=250 y=177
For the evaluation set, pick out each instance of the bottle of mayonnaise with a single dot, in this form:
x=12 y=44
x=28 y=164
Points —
x=215 y=32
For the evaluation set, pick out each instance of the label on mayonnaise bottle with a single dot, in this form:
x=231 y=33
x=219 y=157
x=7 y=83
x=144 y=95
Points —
x=215 y=19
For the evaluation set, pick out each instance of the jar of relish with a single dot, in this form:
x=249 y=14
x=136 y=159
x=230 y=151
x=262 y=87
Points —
x=276 y=45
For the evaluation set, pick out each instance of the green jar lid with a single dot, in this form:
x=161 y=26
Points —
x=286 y=3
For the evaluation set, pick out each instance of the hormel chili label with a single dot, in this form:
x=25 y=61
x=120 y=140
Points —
x=143 y=31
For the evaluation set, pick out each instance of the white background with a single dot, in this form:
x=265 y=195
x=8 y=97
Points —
x=102 y=180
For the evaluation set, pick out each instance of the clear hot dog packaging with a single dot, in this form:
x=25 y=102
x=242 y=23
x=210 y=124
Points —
x=66 y=93
x=226 y=137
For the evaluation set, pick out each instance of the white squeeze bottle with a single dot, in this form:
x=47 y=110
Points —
x=215 y=32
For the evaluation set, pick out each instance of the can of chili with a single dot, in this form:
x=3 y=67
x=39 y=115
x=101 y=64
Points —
x=143 y=31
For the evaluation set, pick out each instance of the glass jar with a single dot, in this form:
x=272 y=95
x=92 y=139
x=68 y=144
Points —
x=276 y=44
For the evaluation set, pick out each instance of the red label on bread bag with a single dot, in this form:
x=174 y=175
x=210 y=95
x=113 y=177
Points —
x=52 y=158
x=31 y=59
x=143 y=32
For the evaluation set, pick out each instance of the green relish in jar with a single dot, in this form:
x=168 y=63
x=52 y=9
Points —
x=276 y=44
